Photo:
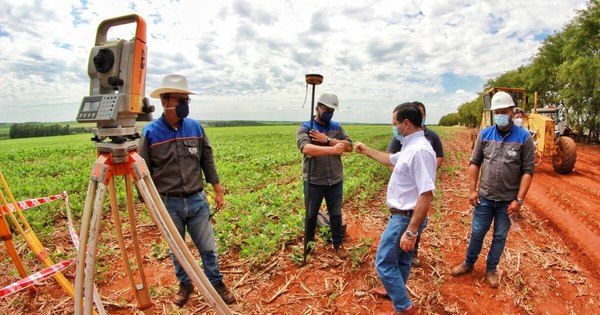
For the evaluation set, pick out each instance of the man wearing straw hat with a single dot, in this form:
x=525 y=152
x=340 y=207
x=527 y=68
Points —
x=178 y=152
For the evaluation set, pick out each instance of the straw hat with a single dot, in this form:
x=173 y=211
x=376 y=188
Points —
x=172 y=83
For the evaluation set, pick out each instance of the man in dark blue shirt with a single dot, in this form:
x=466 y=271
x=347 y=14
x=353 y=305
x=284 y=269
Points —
x=322 y=147
x=177 y=152
x=500 y=174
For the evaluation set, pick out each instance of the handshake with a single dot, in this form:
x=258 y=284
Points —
x=333 y=146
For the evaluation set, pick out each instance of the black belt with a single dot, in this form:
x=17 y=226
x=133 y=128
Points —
x=181 y=195
x=406 y=213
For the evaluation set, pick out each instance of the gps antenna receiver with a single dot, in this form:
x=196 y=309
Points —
x=314 y=79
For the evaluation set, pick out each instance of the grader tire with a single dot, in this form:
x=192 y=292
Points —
x=564 y=161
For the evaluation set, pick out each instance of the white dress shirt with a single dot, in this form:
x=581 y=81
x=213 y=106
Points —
x=413 y=174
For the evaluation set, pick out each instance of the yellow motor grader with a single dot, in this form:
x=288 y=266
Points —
x=549 y=140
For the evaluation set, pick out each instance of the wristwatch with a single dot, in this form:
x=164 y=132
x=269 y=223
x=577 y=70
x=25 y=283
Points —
x=410 y=235
x=328 y=140
x=520 y=201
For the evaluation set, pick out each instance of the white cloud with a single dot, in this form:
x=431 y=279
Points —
x=248 y=58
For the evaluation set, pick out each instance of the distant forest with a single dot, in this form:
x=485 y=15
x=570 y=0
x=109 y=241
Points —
x=31 y=130
x=36 y=129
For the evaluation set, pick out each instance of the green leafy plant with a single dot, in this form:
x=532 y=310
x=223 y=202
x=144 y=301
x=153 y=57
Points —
x=160 y=250
x=358 y=252
x=325 y=233
x=297 y=255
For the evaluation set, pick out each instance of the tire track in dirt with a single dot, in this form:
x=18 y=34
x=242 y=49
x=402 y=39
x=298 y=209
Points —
x=573 y=191
x=587 y=154
x=570 y=202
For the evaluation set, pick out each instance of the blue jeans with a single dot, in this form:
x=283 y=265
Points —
x=483 y=215
x=392 y=263
x=192 y=213
x=333 y=199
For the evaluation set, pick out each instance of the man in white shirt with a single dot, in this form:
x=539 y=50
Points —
x=409 y=194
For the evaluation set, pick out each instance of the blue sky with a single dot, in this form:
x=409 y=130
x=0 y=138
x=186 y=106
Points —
x=247 y=59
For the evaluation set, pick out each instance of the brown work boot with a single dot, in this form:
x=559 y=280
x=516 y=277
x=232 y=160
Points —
x=340 y=251
x=461 y=269
x=492 y=278
x=225 y=294
x=184 y=294
x=380 y=292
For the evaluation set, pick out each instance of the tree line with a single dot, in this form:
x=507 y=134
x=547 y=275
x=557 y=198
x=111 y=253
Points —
x=30 y=130
x=564 y=71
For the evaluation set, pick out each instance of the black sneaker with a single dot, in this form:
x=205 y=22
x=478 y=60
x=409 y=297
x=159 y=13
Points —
x=225 y=294
x=184 y=294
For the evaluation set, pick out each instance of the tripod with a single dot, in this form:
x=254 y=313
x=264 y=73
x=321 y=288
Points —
x=119 y=158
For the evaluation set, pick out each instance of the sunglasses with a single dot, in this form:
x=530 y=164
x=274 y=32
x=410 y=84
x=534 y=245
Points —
x=181 y=99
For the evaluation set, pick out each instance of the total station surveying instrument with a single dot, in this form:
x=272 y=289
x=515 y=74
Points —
x=117 y=70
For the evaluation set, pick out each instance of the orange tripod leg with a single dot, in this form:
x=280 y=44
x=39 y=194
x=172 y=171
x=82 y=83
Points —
x=141 y=292
x=10 y=248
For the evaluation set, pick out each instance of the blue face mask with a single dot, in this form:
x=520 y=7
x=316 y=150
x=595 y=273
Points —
x=502 y=120
x=182 y=110
x=423 y=123
x=397 y=136
x=326 y=117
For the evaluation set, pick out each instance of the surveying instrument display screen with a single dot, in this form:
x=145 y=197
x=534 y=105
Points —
x=99 y=108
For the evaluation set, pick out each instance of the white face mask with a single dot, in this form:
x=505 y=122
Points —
x=397 y=135
x=518 y=122
x=502 y=120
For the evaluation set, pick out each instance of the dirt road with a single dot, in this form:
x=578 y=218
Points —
x=550 y=266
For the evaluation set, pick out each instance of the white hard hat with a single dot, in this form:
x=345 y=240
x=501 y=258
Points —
x=502 y=100
x=329 y=100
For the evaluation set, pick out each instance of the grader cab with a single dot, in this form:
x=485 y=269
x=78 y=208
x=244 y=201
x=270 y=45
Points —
x=542 y=123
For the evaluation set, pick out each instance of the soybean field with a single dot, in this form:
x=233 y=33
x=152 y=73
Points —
x=259 y=168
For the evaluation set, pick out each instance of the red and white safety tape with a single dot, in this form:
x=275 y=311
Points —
x=32 y=279
x=30 y=203
x=49 y=271
x=72 y=232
